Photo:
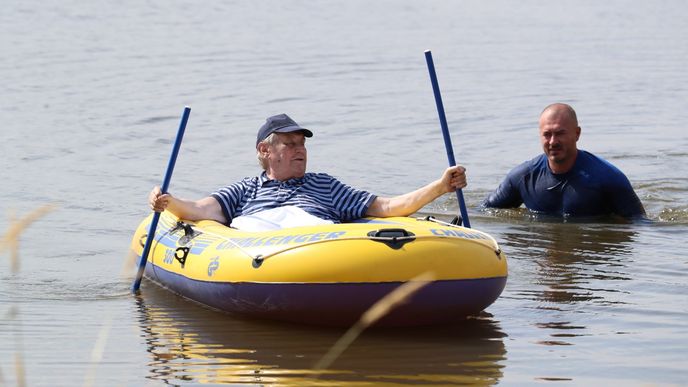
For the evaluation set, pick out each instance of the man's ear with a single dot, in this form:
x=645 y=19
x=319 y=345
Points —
x=578 y=132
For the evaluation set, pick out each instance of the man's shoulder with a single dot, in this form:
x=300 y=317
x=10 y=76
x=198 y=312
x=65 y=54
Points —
x=240 y=185
x=591 y=157
x=317 y=174
x=535 y=164
x=598 y=165
x=318 y=177
x=253 y=180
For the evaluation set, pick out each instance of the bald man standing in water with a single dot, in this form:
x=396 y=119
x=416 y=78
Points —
x=564 y=180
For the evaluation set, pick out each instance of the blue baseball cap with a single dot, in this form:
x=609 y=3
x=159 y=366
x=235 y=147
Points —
x=280 y=123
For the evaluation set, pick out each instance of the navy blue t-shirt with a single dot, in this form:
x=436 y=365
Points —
x=593 y=187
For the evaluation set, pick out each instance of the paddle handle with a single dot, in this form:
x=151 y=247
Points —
x=445 y=132
x=165 y=185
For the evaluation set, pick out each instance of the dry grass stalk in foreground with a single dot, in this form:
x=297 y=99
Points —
x=129 y=266
x=20 y=373
x=19 y=366
x=98 y=351
x=10 y=241
x=380 y=309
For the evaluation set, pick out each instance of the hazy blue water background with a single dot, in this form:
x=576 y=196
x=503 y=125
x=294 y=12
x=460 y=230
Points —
x=91 y=97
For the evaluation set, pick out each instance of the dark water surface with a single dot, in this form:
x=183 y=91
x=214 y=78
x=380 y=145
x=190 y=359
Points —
x=92 y=93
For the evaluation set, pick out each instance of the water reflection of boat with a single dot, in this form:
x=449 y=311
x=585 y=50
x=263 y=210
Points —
x=192 y=344
x=328 y=274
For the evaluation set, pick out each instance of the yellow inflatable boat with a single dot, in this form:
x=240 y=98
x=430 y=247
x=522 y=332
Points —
x=328 y=274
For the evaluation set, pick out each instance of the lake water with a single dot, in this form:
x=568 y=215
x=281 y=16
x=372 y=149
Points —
x=92 y=94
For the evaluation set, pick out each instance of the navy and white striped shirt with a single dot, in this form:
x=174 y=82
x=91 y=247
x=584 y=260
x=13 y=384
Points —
x=319 y=194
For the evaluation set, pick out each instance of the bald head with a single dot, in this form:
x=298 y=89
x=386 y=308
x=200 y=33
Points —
x=560 y=110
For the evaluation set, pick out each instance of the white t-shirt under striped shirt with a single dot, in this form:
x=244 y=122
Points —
x=319 y=194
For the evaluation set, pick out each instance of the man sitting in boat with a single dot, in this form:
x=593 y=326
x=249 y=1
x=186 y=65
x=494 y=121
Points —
x=566 y=181
x=284 y=195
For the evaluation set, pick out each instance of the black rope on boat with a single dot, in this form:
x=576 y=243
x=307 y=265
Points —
x=456 y=223
x=258 y=261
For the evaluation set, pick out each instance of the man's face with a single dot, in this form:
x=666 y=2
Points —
x=558 y=136
x=287 y=156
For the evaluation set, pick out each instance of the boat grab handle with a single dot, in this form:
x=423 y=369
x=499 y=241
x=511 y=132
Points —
x=392 y=237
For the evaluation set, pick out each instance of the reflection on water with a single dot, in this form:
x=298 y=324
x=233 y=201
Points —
x=572 y=260
x=565 y=267
x=188 y=343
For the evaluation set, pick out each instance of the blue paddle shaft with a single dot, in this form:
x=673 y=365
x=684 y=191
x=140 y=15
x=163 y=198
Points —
x=445 y=132
x=165 y=185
